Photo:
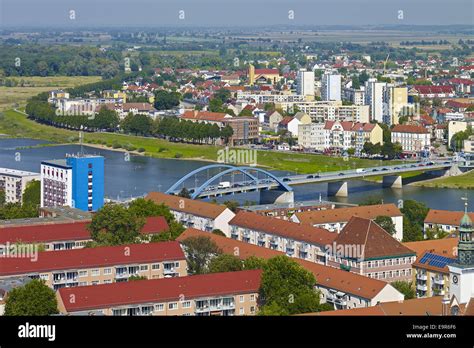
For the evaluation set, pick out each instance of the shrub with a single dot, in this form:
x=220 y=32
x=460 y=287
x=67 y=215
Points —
x=178 y=155
x=141 y=149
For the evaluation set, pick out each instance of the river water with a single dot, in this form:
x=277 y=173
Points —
x=127 y=176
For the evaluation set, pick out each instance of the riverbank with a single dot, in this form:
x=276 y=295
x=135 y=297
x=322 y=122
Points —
x=17 y=125
x=464 y=181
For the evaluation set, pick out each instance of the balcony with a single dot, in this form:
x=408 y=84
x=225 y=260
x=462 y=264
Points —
x=339 y=301
x=439 y=280
x=422 y=287
x=421 y=276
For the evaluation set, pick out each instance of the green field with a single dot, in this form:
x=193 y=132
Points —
x=9 y=96
x=15 y=124
x=464 y=181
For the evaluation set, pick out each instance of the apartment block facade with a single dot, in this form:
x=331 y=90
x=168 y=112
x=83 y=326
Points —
x=101 y=265
x=222 y=294
x=413 y=139
x=13 y=183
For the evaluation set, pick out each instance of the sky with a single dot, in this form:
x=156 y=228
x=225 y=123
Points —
x=209 y=13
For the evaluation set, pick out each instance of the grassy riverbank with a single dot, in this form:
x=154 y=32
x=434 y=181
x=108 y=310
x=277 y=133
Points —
x=17 y=125
x=464 y=181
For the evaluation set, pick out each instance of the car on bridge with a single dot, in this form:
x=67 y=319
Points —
x=286 y=179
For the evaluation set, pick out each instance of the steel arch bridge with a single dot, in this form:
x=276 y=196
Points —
x=256 y=183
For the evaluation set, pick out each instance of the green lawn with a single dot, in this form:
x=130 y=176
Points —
x=18 y=125
x=464 y=181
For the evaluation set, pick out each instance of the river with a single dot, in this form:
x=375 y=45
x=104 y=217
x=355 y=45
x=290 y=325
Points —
x=137 y=175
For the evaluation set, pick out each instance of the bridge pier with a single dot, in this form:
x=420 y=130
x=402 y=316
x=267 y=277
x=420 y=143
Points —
x=276 y=196
x=393 y=181
x=338 y=189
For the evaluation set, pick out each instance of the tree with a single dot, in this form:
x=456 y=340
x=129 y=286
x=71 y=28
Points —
x=184 y=193
x=232 y=205
x=225 y=263
x=371 y=200
x=33 y=299
x=246 y=112
x=415 y=212
x=165 y=100
x=114 y=224
x=254 y=262
x=406 y=288
x=32 y=193
x=146 y=208
x=288 y=287
x=138 y=124
x=199 y=251
x=386 y=223
x=218 y=232
x=435 y=233
x=2 y=198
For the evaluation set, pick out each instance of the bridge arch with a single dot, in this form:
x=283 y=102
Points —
x=244 y=170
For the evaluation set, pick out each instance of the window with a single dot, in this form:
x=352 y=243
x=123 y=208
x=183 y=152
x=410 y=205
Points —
x=143 y=268
x=173 y=306
x=176 y=264
x=108 y=281
x=159 y=307
x=44 y=276
x=241 y=298
x=83 y=273
x=252 y=297
x=252 y=309
x=186 y=304
x=107 y=271
x=83 y=284
x=155 y=266
x=241 y=311
x=95 y=282
x=95 y=272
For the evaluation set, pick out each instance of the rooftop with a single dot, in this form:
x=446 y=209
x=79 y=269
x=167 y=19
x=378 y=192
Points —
x=445 y=217
x=187 y=205
x=15 y=172
x=161 y=290
x=316 y=217
x=305 y=233
x=326 y=276
x=91 y=257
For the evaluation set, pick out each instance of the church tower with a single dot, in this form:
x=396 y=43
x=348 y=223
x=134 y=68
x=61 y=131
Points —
x=462 y=271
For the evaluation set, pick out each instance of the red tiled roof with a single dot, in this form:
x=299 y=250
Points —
x=326 y=276
x=408 y=128
x=446 y=246
x=458 y=81
x=67 y=231
x=267 y=72
x=283 y=228
x=91 y=257
x=138 y=106
x=431 y=267
x=316 y=217
x=161 y=290
x=445 y=217
x=187 y=205
x=376 y=242
x=433 y=89
x=286 y=120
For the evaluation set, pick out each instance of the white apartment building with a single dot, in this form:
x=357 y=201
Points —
x=331 y=87
x=311 y=136
x=268 y=97
x=305 y=83
x=346 y=135
x=56 y=184
x=200 y=215
x=413 y=139
x=296 y=240
x=321 y=111
x=355 y=96
x=83 y=106
x=374 y=97
x=13 y=182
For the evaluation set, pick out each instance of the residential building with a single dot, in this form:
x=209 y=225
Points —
x=331 y=87
x=397 y=103
x=100 y=265
x=65 y=235
x=77 y=181
x=344 y=135
x=355 y=96
x=339 y=288
x=374 y=97
x=13 y=183
x=431 y=274
x=413 y=139
x=194 y=213
x=321 y=111
x=296 y=240
x=456 y=127
x=469 y=145
x=446 y=220
x=273 y=118
x=334 y=220
x=365 y=248
x=286 y=210
x=305 y=83
x=432 y=91
x=224 y=294
x=268 y=97
x=311 y=136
